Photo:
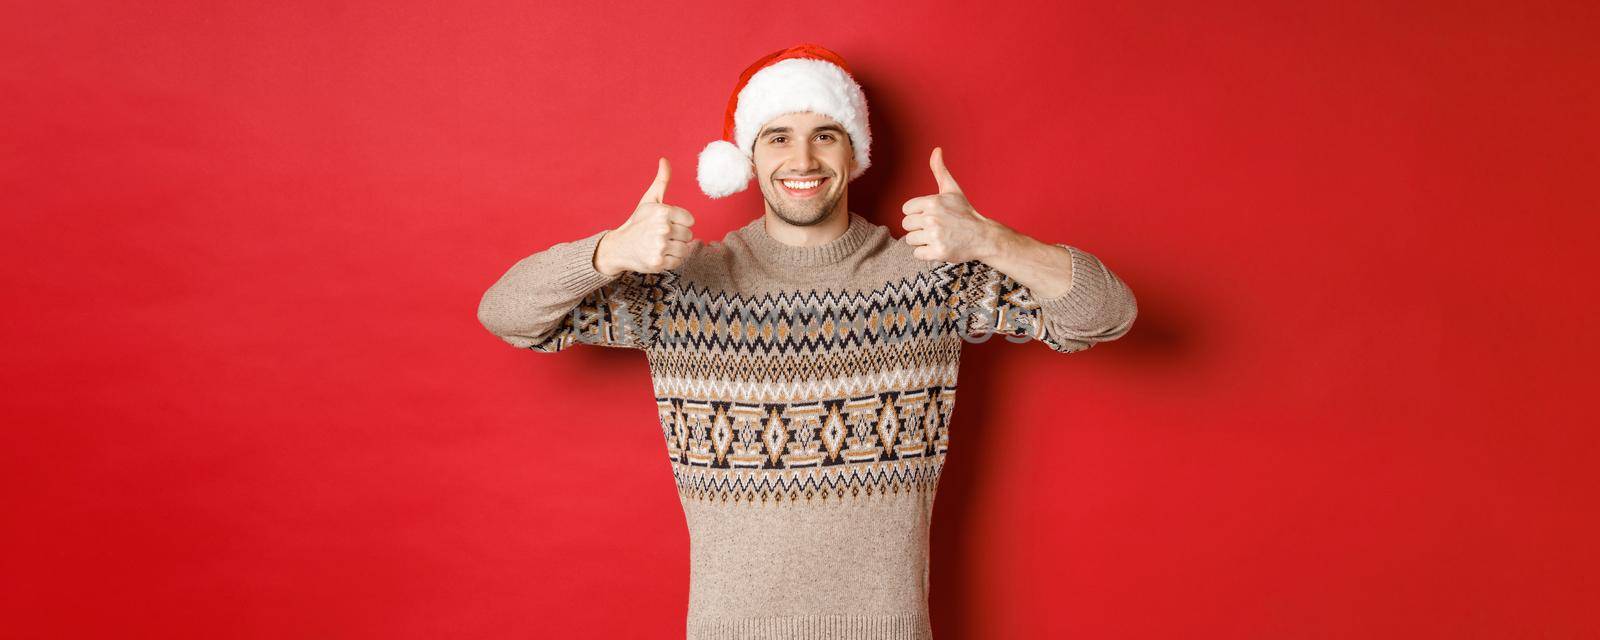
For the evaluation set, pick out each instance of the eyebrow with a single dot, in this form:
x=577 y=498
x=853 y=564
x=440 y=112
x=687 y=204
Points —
x=825 y=127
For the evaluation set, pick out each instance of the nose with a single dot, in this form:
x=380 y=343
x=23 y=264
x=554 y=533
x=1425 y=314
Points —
x=806 y=160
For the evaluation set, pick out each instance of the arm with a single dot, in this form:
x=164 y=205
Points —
x=1055 y=293
x=557 y=297
x=1011 y=284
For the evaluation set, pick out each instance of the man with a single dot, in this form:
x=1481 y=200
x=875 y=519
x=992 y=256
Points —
x=804 y=367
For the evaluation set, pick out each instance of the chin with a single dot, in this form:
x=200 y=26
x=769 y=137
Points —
x=802 y=217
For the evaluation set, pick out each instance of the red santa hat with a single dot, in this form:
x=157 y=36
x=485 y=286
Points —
x=805 y=77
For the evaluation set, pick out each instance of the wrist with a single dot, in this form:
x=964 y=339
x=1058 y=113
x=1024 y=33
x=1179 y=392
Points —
x=999 y=241
x=601 y=259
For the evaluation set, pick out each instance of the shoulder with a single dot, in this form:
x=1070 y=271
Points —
x=889 y=258
x=712 y=261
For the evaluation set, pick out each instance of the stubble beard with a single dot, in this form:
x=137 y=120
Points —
x=799 y=213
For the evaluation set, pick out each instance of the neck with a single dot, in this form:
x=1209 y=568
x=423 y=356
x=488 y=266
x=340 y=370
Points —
x=759 y=240
x=826 y=230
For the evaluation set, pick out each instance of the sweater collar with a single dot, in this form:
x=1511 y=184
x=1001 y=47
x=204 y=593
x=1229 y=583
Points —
x=770 y=248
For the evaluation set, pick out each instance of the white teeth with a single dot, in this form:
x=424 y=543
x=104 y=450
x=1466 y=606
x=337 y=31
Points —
x=801 y=185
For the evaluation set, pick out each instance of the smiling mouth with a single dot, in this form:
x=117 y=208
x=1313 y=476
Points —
x=803 y=188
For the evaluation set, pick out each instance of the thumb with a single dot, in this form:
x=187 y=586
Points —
x=947 y=183
x=658 y=189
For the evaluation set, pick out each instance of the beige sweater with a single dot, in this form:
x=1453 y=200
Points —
x=805 y=396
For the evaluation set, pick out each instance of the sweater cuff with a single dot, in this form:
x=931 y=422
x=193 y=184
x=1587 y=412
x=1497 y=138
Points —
x=1085 y=298
x=575 y=270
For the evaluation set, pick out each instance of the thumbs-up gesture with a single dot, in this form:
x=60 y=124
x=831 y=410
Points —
x=944 y=226
x=655 y=238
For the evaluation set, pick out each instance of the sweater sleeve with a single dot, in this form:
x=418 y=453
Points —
x=555 y=298
x=1098 y=307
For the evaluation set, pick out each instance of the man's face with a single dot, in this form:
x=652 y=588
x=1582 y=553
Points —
x=792 y=152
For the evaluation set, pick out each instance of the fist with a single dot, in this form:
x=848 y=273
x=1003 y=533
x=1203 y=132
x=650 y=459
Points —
x=944 y=226
x=655 y=238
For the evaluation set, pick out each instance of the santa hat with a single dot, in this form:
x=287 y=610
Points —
x=805 y=77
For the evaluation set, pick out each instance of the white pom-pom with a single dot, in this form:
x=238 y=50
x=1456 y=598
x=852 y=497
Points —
x=723 y=169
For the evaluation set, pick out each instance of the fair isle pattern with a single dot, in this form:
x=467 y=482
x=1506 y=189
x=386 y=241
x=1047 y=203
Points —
x=812 y=322
x=839 y=482
x=774 y=378
x=732 y=435
x=884 y=443
x=801 y=395
x=970 y=294
x=804 y=397
x=623 y=313
x=995 y=303
x=802 y=346
x=637 y=308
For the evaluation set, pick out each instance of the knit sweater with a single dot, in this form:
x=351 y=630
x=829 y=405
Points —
x=804 y=395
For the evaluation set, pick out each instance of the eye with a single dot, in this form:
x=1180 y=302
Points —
x=774 y=139
x=827 y=135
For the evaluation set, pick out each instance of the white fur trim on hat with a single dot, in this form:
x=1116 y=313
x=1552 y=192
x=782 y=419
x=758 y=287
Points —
x=787 y=86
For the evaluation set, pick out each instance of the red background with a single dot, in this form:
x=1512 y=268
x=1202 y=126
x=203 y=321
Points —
x=246 y=394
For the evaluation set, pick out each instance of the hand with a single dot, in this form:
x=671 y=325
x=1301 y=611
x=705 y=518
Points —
x=655 y=238
x=944 y=226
